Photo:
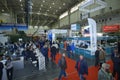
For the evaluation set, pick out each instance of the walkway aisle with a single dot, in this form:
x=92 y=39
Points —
x=72 y=73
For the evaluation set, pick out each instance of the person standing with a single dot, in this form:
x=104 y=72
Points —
x=72 y=49
x=45 y=52
x=97 y=52
x=82 y=67
x=69 y=51
x=63 y=66
x=104 y=73
x=101 y=56
x=9 y=68
x=114 y=53
x=1 y=68
x=53 y=52
x=116 y=64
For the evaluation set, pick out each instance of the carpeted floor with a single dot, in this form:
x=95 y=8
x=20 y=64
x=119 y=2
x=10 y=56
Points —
x=72 y=73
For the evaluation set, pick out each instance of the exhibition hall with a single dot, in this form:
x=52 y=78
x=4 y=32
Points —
x=59 y=40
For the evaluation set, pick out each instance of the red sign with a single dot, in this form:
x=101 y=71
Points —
x=112 y=28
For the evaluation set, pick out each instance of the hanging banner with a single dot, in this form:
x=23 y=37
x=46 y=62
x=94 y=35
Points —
x=93 y=35
x=111 y=28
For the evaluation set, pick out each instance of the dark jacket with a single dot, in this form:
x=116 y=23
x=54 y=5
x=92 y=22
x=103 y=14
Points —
x=97 y=52
x=1 y=67
x=42 y=43
x=44 y=51
x=62 y=63
x=112 y=55
x=83 y=67
x=53 y=50
x=116 y=62
x=68 y=48
x=118 y=47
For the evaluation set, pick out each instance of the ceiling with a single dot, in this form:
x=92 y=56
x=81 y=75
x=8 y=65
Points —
x=44 y=12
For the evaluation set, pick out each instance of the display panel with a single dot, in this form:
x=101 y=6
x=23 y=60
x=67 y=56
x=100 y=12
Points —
x=75 y=27
x=85 y=31
x=112 y=28
x=8 y=27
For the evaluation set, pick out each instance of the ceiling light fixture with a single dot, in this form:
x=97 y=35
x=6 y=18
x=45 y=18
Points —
x=20 y=0
x=46 y=14
x=41 y=5
x=43 y=0
x=59 y=7
x=21 y=5
x=38 y=13
x=63 y=15
x=53 y=3
x=3 y=10
x=21 y=8
x=64 y=4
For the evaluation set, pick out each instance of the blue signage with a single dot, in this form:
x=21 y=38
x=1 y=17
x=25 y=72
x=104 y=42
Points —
x=20 y=27
x=75 y=26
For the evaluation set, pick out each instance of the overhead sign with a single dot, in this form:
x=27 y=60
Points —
x=75 y=27
x=86 y=3
x=11 y=26
x=112 y=28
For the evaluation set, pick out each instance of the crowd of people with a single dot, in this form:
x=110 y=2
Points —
x=104 y=69
x=28 y=50
x=104 y=72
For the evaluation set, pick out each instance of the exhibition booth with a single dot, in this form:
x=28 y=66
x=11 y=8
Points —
x=54 y=33
x=82 y=44
x=90 y=40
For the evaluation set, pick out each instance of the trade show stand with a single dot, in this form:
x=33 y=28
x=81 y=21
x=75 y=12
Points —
x=86 y=50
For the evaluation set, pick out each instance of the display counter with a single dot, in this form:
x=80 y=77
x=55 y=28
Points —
x=82 y=45
x=83 y=51
x=86 y=51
